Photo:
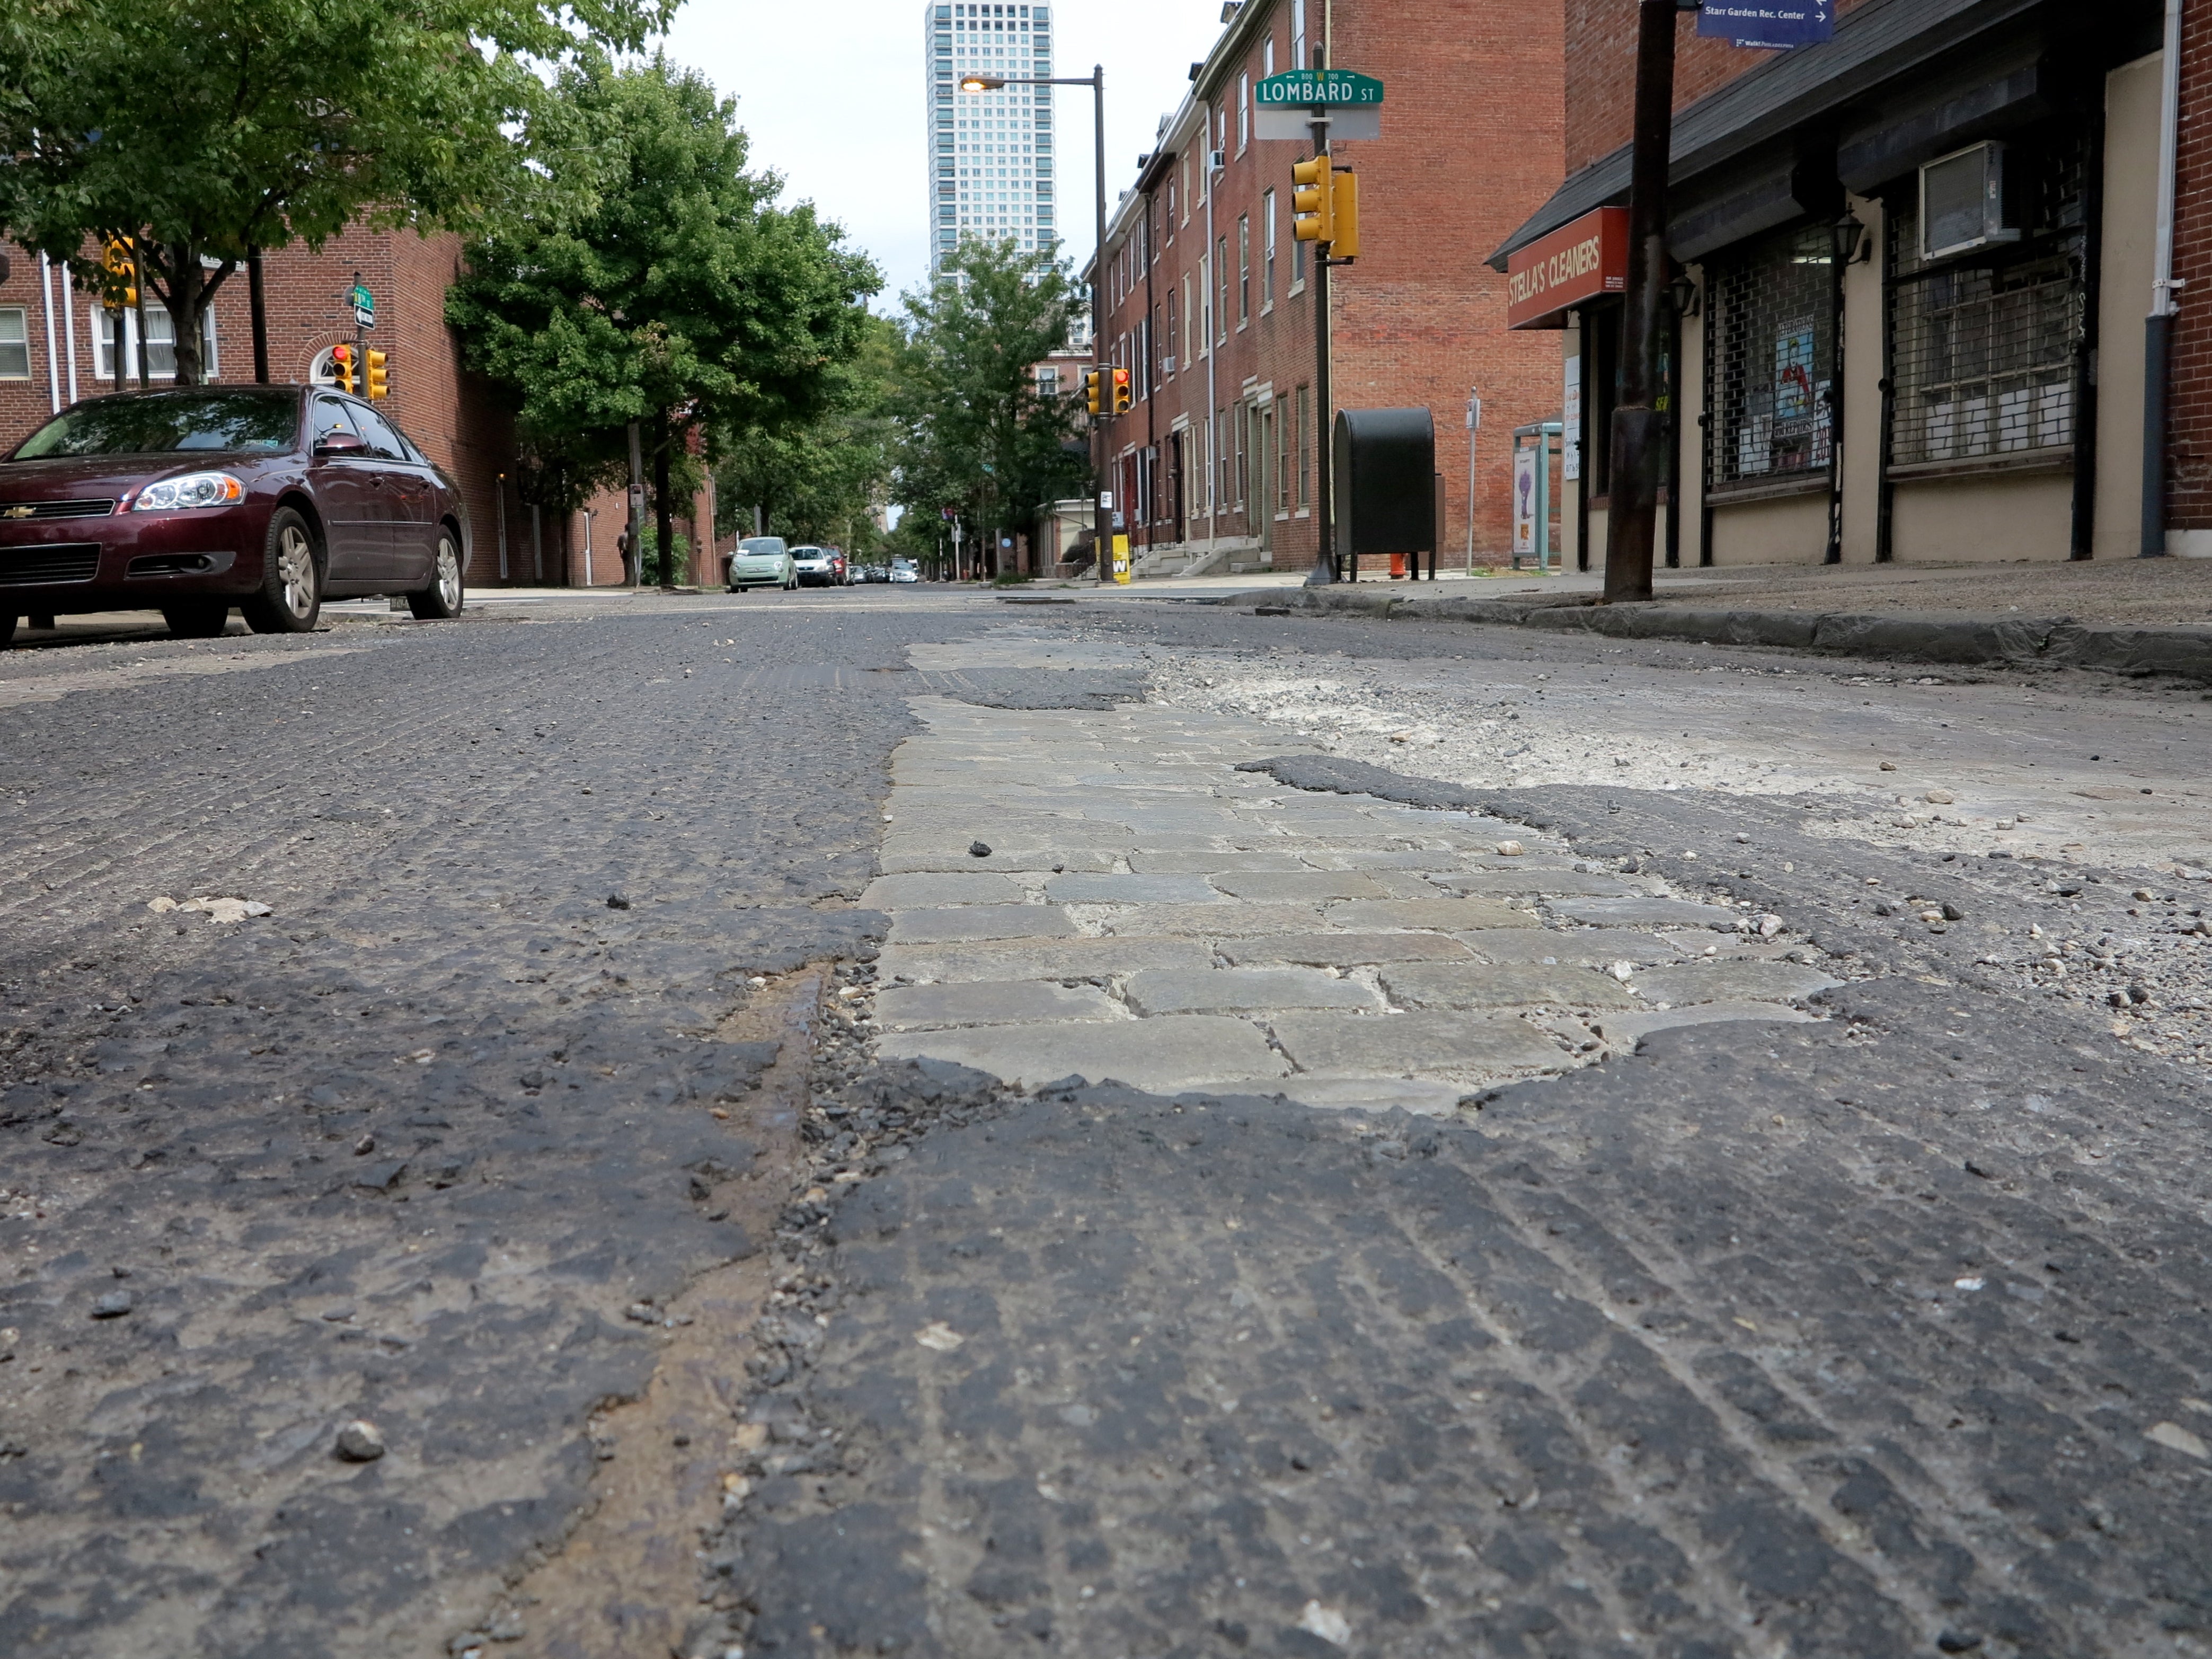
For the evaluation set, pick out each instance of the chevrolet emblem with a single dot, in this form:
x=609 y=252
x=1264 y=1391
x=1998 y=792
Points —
x=17 y=512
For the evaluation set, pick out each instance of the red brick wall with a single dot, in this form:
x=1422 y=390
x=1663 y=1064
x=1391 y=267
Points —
x=2189 y=494
x=1471 y=146
x=1600 y=58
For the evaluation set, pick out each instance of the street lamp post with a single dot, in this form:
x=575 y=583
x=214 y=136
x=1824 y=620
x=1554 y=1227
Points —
x=1096 y=82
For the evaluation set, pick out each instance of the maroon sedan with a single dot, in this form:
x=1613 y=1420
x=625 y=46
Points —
x=189 y=502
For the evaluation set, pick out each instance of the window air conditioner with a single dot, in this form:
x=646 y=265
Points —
x=1218 y=160
x=1964 y=203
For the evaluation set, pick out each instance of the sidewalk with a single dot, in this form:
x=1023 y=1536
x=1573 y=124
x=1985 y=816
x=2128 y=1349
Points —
x=2125 y=617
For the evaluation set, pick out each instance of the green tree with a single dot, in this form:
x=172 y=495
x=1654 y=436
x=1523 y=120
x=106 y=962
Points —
x=976 y=433
x=822 y=480
x=203 y=130
x=654 y=280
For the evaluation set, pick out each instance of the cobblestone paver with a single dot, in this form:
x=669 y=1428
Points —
x=1283 y=902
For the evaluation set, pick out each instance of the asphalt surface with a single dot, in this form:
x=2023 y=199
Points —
x=1879 y=1334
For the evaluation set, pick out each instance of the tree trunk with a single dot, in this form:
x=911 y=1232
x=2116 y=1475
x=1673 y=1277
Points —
x=664 y=519
x=190 y=291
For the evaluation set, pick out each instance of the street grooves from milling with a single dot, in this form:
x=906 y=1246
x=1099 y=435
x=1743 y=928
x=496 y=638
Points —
x=410 y=1147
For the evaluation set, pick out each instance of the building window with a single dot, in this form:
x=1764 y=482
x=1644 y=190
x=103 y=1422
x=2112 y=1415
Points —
x=1304 y=445
x=1243 y=269
x=1205 y=304
x=1985 y=351
x=15 y=345
x=1267 y=54
x=1773 y=321
x=1173 y=319
x=1299 y=34
x=1048 y=383
x=1297 y=265
x=1241 y=477
x=1186 y=188
x=1221 y=292
x=161 y=344
x=1268 y=244
x=1243 y=112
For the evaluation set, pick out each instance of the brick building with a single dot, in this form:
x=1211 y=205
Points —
x=1914 y=266
x=1211 y=308
x=57 y=346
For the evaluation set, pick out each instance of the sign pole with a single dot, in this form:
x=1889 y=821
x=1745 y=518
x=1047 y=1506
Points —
x=1324 y=571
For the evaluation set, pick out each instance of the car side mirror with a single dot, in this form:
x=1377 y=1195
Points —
x=340 y=443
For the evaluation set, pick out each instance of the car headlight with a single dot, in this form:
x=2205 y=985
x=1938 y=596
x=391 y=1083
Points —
x=192 y=489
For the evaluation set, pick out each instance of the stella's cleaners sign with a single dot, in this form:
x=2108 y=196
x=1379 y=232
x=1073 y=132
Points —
x=1574 y=264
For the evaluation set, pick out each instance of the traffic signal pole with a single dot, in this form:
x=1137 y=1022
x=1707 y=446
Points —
x=1101 y=531
x=1639 y=435
x=1324 y=570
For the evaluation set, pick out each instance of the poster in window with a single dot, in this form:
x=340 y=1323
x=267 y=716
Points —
x=1792 y=370
x=1570 y=421
x=1524 y=498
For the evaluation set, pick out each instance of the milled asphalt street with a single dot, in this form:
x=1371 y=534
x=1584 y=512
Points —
x=1389 y=1150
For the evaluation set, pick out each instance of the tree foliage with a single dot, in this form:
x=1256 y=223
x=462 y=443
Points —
x=822 y=480
x=655 y=280
x=976 y=433
x=203 y=128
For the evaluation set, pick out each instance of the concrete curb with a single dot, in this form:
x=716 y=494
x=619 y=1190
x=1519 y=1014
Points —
x=1916 y=635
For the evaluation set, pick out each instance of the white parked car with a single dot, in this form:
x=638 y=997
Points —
x=904 y=570
x=818 y=567
x=762 y=561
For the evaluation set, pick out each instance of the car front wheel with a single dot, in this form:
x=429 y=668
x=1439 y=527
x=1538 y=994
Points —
x=291 y=594
x=442 y=600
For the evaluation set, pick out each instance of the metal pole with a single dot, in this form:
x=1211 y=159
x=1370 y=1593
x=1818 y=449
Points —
x=47 y=304
x=1324 y=570
x=1473 y=431
x=1101 y=515
x=2158 y=342
x=257 y=303
x=1638 y=427
x=635 y=529
x=69 y=330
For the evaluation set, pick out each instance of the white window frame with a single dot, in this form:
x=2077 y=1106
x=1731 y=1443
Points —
x=22 y=317
x=100 y=326
x=1243 y=112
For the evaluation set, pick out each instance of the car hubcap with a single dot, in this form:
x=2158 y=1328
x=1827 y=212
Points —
x=296 y=568
x=449 y=575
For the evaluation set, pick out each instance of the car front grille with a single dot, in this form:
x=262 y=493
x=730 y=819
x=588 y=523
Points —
x=62 y=561
x=14 y=511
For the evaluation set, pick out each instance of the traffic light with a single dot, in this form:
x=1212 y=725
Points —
x=1121 y=396
x=1344 y=200
x=1094 y=393
x=116 y=260
x=342 y=367
x=1313 y=202
x=375 y=386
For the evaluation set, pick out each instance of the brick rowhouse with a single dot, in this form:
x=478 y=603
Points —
x=450 y=412
x=1210 y=310
x=2189 y=493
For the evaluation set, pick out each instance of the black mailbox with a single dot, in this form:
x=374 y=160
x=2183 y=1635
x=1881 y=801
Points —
x=1386 y=466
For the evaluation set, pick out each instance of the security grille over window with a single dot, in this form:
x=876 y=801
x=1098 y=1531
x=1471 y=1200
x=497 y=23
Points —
x=1773 y=320
x=1985 y=349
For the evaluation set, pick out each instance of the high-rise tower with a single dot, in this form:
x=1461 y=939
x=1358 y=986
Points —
x=990 y=153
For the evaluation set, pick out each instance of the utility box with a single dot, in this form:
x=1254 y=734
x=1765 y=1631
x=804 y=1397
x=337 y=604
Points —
x=1386 y=474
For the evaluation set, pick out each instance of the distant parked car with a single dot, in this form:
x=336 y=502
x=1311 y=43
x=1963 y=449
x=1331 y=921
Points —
x=817 y=566
x=875 y=573
x=904 y=570
x=762 y=561
x=190 y=501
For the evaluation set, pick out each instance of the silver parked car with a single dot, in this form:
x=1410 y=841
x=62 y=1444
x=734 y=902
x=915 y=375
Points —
x=904 y=570
x=762 y=561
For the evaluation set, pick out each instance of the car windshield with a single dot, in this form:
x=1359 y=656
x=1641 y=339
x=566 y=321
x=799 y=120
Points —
x=760 y=547
x=164 y=423
x=808 y=553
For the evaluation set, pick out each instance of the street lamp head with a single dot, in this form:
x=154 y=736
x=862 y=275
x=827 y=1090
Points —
x=983 y=83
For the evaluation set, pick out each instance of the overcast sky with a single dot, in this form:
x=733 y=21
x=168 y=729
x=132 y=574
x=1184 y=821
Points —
x=832 y=95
